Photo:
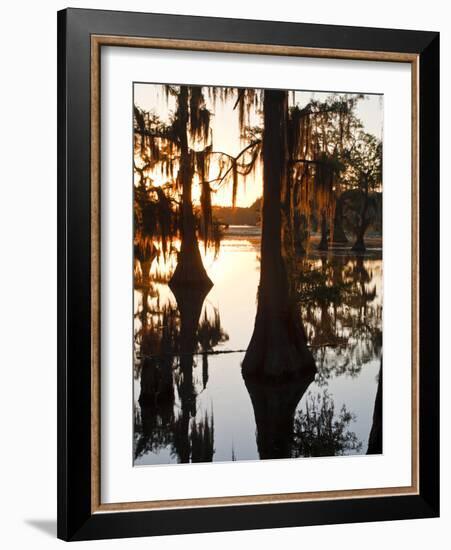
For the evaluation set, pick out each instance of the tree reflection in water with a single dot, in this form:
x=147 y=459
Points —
x=316 y=173
x=177 y=332
x=320 y=431
x=274 y=406
x=343 y=324
x=343 y=320
x=169 y=340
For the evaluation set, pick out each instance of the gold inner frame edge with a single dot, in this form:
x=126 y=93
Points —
x=97 y=41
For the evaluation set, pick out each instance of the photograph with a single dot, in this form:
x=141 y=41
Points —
x=257 y=273
x=248 y=271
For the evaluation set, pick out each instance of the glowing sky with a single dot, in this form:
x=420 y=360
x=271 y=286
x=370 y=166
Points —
x=226 y=133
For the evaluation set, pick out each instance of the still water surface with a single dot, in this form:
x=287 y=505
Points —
x=211 y=416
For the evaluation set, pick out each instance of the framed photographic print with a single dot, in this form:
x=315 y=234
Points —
x=248 y=274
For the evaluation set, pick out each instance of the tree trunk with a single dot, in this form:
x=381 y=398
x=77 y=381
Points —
x=339 y=236
x=190 y=270
x=204 y=369
x=359 y=245
x=287 y=220
x=375 y=437
x=299 y=227
x=323 y=245
x=298 y=235
x=278 y=345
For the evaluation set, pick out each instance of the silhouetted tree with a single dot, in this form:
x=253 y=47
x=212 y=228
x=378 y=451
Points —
x=375 y=437
x=320 y=431
x=342 y=318
x=168 y=147
x=364 y=176
x=278 y=346
x=319 y=136
x=169 y=338
x=182 y=151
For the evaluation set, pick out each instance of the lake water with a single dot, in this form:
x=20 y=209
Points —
x=195 y=406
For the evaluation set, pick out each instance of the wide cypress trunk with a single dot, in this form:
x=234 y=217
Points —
x=190 y=270
x=278 y=345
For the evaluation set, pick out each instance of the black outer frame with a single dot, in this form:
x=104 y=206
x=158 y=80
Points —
x=75 y=520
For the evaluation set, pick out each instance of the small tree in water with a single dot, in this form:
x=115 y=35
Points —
x=363 y=177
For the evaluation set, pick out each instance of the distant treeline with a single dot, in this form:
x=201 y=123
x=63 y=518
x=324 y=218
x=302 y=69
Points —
x=251 y=216
x=238 y=215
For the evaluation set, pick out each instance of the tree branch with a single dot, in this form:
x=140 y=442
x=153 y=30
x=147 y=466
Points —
x=220 y=179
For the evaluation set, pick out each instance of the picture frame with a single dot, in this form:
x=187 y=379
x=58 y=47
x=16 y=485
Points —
x=81 y=36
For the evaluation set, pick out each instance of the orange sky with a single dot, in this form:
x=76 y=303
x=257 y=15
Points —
x=226 y=134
